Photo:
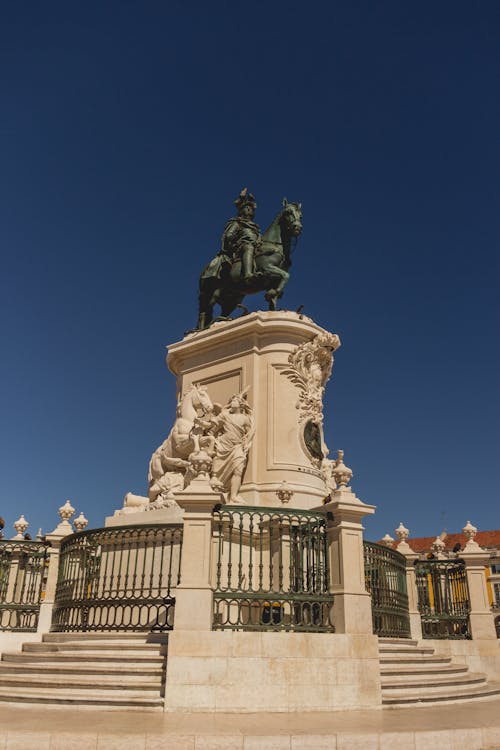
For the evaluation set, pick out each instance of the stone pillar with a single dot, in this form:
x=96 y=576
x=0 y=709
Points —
x=62 y=530
x=352 y=610
x=476 y=558
x=404 y=548
x=193 y=596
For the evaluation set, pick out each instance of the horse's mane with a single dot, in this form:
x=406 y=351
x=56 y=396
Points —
x=273 y=229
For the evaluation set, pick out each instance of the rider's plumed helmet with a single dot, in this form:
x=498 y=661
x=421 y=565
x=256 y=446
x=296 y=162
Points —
x=245 y=198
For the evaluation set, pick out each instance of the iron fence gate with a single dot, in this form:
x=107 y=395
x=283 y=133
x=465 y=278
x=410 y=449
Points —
x=271 y=570
x=118 y=578
x=385 y=579
x=22 y=576
x=443 y=598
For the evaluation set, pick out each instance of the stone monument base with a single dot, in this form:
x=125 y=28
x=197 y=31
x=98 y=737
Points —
x=245 y=672
x=143 y=518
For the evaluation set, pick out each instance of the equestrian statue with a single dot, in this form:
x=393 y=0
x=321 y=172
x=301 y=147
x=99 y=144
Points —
x=248 y=262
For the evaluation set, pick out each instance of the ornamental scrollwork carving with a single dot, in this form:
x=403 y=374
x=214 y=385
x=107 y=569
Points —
x=310 y=369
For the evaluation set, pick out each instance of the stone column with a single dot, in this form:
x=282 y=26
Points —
x=193 y=596
x=352 y=610
x=476 y=558
x=404 y=548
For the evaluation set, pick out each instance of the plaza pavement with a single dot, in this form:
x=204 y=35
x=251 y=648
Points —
x=453 y=727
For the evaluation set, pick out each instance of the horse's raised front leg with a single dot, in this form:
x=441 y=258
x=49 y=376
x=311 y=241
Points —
x=272 y=295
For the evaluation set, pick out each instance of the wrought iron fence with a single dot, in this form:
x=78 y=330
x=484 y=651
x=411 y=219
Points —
x=22 y=575
x=271 y=570
x=385 y=579
x=443 y=598
x=118 y=578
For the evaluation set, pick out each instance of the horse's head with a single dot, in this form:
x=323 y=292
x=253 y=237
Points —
x=200 y=398
x=291 y=218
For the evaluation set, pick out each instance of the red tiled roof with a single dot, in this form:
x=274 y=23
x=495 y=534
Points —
x=486 y=539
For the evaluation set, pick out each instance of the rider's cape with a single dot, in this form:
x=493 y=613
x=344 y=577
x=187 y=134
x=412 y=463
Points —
x=235 y=231
x=217 y=267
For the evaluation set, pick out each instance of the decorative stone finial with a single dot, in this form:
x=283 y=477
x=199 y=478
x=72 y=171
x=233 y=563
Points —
x=387 y=540
x=66 y=511
x=80 y=523
x=470 y=531
x=402 y=532
x=341 y=473
x=201 y=464
x=438 y=547
x=284 y=493
x=20 y=526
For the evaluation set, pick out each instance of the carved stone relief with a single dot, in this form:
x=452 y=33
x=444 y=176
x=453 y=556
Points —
x=310 y=368
x=206 y=440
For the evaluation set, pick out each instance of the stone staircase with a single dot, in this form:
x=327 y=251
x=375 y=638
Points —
x=127 y=671
x=413 y=675
x=105 y=670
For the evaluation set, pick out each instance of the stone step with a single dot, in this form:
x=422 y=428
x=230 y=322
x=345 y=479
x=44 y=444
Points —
x=71 y=668
x=81 y=698
x=405 y=650
x=106 y=647
x=80 y=682
x=436 y=682
x=411 y=674
x=112 y=671
x=398 y=641
x=144 y=637
x=451 y=695
x=425 y=669
x=86 y=656
x=406 y=659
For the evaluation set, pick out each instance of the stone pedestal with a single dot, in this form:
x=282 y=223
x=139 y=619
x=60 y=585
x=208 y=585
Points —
x=253 y=352
x=411 y=585
x=481 y=619
x=229 y=671
x=193 y=596
x=55 y=538
x=352 y=611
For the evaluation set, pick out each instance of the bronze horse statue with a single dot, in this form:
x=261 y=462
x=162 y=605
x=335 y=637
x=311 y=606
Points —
x=224 y=285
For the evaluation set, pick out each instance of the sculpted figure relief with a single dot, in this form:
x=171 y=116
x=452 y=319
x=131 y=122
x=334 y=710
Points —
x=205 y=436
x=170 y=462
x=235 y=431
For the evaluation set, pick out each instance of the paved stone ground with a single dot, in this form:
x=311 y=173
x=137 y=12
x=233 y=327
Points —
x=453 y=727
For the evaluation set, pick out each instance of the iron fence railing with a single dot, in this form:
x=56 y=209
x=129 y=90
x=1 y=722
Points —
x=443 y=598
x=22 y=575
x=118 y=578
x=385 y=579
x=270 y=570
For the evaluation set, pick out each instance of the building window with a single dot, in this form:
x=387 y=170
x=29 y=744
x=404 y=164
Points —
x=495 y=568
x=496 y=594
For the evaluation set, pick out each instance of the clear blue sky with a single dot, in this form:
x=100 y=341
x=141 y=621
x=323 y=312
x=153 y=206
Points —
x=128 y=128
